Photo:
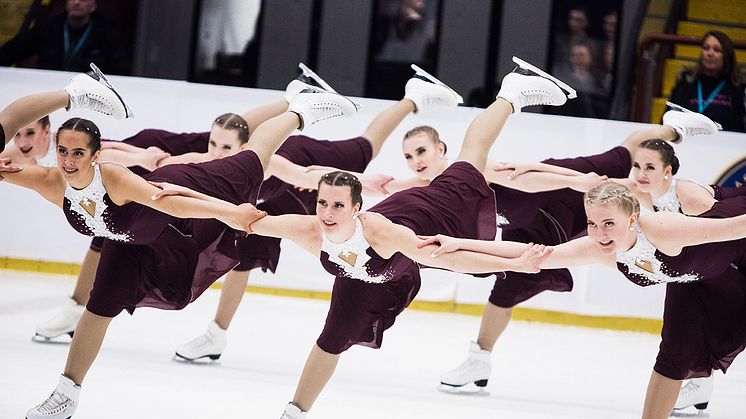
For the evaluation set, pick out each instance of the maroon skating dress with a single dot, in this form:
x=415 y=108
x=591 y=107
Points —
x=153 y=259
x=705 y=306
x=277 y=197
x=170 y=142
x=369 y=291
x=2 y=138
x=549 y=218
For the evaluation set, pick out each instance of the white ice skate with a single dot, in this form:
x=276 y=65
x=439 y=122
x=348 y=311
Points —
x=689 y=124
x=697 y=393
x=475 y=370
x=209 y=345
x=314 y=107
x=307 y=80
x=61 y=404
x=310 y=77
x=529 y=86
x=418 y=72
x=293 y=412
x=426 y=94
x=93 y=91
x=63 y=323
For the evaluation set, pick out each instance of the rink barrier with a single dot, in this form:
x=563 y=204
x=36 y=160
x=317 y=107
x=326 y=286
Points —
x=633 y=324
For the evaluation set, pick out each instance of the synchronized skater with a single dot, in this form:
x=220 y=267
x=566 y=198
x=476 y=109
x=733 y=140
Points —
x=161 y=252
x=167 y=229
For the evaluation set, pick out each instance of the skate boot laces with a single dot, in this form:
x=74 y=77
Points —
x=55 y=404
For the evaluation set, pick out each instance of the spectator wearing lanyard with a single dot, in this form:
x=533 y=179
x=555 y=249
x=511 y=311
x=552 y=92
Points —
x=714 y=87
x=70 y=41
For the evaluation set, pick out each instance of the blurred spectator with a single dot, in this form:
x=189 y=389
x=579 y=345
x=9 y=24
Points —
x=578 y=72
x=714 y=87
x=403 y=33
x=577 y=32
x=70 y=41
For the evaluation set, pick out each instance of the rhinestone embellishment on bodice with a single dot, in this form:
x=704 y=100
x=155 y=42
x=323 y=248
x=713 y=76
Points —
x=89 y=205
x=641 y=260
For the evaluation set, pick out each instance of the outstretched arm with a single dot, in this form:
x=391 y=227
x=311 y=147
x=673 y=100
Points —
x=671 y=232
x=388 y=238
x=581 y=251
x=46 y=181
x=124 y=186
x=303 y=230
x=541 y=178
x=148 y=158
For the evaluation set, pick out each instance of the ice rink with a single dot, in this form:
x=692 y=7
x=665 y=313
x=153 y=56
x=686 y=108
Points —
x=539 y=370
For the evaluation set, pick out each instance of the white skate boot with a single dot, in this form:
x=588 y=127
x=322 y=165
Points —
x=209 y=345
x=94 y=92
x=425 y=94
x=293 y=412
x=697 y=393
x=61 y=404
x=63 y=323
x=307 y=80
x=314 y=107
x=689 y=124
x=529 y=86
x=476 y=369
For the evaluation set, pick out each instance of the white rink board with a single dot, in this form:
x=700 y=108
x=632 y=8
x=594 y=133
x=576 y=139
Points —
x=34 y=229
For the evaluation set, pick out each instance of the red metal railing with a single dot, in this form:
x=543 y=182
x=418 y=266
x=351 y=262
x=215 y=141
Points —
x=644 y=93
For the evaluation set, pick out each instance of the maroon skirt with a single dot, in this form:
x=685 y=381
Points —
x=188 y=255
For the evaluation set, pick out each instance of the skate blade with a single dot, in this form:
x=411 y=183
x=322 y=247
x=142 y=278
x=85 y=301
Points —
x=465 y=390
x=310 y=73
x=57 y=340
x=100 y=76
x=424 y=74
x=685 y=110
x=698 y=414
x=571 y=93
x=205 y=360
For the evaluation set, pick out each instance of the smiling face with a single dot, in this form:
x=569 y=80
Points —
x=75 y=157
x=609 y=228
x=424 y=157
x=711 y=56
x=223 y=143
x=650 y=172
x=33 y=140
x=335 y=211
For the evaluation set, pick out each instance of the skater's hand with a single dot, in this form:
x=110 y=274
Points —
x=514 y=169
x=7 y=166
x=248 y=214
x=375 y=184
x=151 y=158
x=531 y=259
x=588 y=181
x=169 y=189
x=447 y=244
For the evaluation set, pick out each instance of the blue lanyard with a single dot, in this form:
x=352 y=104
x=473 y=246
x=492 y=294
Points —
x=703 y=106
x=70 y=55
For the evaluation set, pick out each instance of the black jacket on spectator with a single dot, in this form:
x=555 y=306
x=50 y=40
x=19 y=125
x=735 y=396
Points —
x=726 y=108
x=102 y=46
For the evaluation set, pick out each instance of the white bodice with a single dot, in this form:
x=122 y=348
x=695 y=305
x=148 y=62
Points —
x=49 y=159
x=641 y=260
x=669 y=201
x=351 y=255
x=89 y=205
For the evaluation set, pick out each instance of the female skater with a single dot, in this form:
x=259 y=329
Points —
x=161 y=253
x=374 y=256
x=547 y=208
x=279 y=197
x=696 y=257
